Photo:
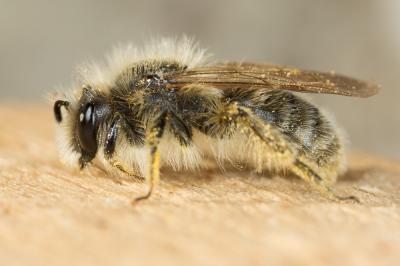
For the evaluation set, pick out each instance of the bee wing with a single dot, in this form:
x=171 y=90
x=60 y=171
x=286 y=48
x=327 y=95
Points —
x=247 y=75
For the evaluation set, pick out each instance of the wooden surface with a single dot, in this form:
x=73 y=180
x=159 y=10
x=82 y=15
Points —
x=52 y=215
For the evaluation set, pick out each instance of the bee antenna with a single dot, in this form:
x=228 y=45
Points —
x=57 y=109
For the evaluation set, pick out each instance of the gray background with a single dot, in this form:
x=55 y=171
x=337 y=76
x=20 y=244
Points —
x=42 y=41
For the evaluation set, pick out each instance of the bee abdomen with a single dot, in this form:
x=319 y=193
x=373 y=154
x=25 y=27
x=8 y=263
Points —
x=302 y=124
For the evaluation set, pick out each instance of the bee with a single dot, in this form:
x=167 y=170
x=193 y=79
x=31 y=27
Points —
x=169 y=105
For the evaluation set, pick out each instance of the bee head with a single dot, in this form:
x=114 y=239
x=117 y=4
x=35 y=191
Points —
x=91 y=111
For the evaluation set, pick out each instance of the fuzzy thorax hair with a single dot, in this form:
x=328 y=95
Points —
x=102 y=76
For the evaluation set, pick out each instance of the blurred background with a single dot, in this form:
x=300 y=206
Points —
x=42 y=42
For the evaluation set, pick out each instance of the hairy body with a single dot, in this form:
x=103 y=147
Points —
x=147 y=114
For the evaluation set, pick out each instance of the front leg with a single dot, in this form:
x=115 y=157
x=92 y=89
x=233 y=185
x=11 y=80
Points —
x=111 y=139
x=109 y=147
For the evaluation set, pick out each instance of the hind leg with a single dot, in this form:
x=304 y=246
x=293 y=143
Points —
x=307 y=174
x=235 y=117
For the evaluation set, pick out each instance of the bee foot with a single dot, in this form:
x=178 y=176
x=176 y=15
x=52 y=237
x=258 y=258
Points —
x=347 y=198
x=141 y=198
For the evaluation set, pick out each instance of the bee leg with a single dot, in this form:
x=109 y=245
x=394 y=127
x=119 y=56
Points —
x=120 y=166
x=245 y=120
x=153 y=138
x=111 y=139
x=109 y=148
x=306 y=173
x=248 y=123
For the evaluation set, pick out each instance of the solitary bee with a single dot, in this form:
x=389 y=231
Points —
x=168 y=105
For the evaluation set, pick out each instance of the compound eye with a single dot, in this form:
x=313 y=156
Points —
x=87 y=130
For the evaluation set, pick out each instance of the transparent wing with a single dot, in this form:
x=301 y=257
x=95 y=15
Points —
x=247 y=75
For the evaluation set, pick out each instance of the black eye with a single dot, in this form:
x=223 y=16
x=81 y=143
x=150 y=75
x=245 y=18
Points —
x=86 y=131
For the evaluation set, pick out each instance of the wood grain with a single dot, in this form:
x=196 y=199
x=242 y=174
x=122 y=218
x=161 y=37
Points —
x=52 y=215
